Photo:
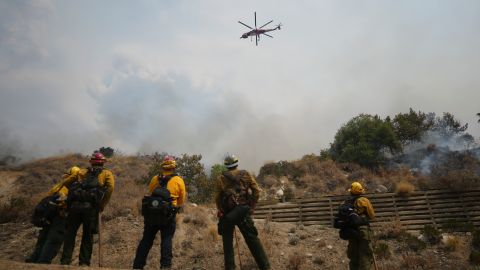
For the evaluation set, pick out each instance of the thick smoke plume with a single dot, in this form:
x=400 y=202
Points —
x=434 y=148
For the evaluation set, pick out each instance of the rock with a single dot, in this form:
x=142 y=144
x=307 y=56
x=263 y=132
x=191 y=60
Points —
x=194 y=204
x=309 y=255
x=282 y=253
x=329 y=247
x=421 y=237
x=381 y=189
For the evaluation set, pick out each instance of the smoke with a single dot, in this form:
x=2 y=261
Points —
x=433 y=148
x=147 y=110
x=178 y=79
x=10 y=147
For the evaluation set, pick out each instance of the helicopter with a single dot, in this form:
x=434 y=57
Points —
x=258 y=31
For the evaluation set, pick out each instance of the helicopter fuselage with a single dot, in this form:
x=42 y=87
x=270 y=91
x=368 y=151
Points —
x=256 y=32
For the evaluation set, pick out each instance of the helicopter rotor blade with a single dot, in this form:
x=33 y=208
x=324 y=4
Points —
x=255 y=20
x=245 y=24
x=267 y=35
x=265 y=24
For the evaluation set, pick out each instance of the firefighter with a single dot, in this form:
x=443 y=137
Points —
x=359 y=249
x=89 y=193
x=236 y=195
x=167 y=195
x=52 y=221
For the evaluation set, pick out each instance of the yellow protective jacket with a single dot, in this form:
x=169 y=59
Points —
x=364 y=207
x=58 y=188
x=105 y=179
x=61 y=190
x=175 y=185
x=223 y=186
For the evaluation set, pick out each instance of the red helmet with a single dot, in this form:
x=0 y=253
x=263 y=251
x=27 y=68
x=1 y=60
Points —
x=97 y=158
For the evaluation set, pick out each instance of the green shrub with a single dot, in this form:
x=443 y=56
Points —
x=455 y=225
x=475 y=257
x=431 y=234
x=412 y=242
x=476 y=239
x=365 y=140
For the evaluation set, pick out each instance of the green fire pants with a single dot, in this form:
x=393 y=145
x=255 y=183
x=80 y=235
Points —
x=359 y=250
x=49 y=241
x=250 y=234
x=88 y=220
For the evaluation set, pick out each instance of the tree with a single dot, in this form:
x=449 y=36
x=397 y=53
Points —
x=410 y=127
x=106 y=151
x=363 y=140
x=216 y=171
x=448 y=126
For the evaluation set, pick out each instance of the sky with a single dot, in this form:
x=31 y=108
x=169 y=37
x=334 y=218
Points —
x=174 y=76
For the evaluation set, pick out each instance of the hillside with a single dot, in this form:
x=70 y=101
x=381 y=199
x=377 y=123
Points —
x=196 y=243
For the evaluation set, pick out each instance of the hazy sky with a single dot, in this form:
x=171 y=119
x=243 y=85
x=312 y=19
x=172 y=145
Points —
x=174 y=76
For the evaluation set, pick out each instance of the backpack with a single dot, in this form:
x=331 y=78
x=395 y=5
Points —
x=45 y=211
x=348 y=220
x=158 y=209
x=237 y=193
x=236 y=200
x=87 y=194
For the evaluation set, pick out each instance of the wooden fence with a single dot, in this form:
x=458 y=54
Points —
x=435 y=207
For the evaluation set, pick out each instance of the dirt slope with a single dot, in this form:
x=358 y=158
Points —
x=197 y=246
x=7 y=183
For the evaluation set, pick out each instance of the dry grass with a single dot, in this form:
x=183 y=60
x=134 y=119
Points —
x=211 y=233
x=40 y=175
x=197 y=216
x=126 y=200
x=451 y=243
x=295 y=261
x=404 y=188
x=413 y=261
x=390 y=230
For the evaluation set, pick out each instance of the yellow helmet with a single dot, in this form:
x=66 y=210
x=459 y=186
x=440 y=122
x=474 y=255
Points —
x=73 y=170
x=168 y=163
x=356 y=188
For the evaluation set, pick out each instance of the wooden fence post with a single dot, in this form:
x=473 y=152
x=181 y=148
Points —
x=430 y=211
